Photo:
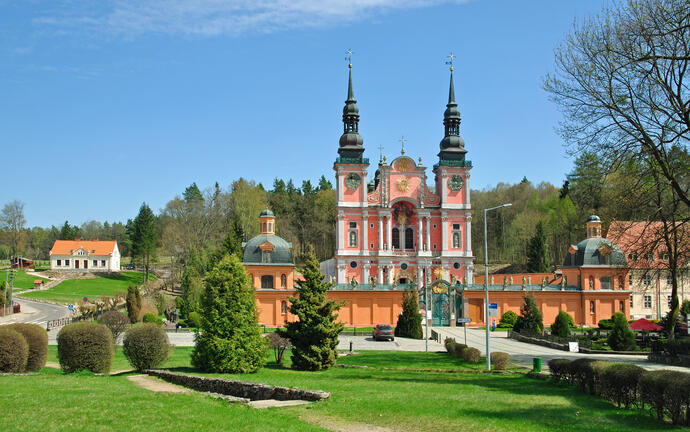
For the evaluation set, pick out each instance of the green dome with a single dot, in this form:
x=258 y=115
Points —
x=593 y=218
x=267 y=213
x=587 y=253
x=281 y=250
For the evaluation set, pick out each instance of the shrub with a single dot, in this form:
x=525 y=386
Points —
x=458 y=350
x=146 y=346
x=605 y=324
x=37 y=339
x=677 y=346
x=117 y=323
x=410 y=320
x=133 y=303
x=587 y=372
x=193 y=320
x=471 y=355
x=448 y=344
x=621 y=338
x=279 y=345
x=530 y=319
x=500 y=360
x=508 y=320
x=652 y=386
x=14 y=351
x=619 y=383
x=85 y=346
x=562 y=325
x=560 y=369
x=151 y=318
x=677 y=397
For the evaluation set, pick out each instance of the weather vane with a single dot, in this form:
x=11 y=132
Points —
x=349 y=58
x=380 y=152
x=450 y=58
x=402 y=143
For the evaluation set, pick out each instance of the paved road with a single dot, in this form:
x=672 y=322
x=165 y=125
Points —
x=35 y=312
x=522 y=353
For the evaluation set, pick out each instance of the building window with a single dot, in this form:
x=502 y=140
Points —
x=456 y=226
x=668 y=301
x=283 y=281
x=66 y=262
x=669 y=280
x=267 y=281
x=409 y=238
x=631 y=301
x=265 y=257
x=647 y=301
x=621 y=306
x=102 y=263
x=371 y=225
x=456 y=266
x=353 y=264
x=283 y=307
x=353 y=224
x=605 y=282
x=95 y=263
x=456 y=240
x=591 y=306
x=59 y=262
x=403 y=266
x=630 y=279
x=371 y=245
x=434 y=246
x=396 y=238
x=353 y=238
x=646 y=279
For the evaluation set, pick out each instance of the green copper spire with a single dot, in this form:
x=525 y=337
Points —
x=452 y=146
x=351 y=141
x=451 y=91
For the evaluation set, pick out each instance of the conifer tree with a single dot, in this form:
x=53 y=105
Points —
x=410 y=320
x=133 y=303
x=530 y=318
x=314 y=336
x=230 y=338
x=145 y=238
x=621 y=338
x=538 y=252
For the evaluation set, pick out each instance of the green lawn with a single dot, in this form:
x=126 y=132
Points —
x=21 y=279
x=396 y=399
x=74 y=290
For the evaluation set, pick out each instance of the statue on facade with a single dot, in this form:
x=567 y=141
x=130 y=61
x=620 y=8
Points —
x=563 y=282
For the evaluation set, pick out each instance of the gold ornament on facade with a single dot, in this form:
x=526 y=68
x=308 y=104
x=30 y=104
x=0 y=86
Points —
x=438 y=272
x=403 y=165
x=403 y=184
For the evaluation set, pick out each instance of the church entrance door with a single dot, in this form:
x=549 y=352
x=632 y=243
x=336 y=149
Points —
x=440 y=304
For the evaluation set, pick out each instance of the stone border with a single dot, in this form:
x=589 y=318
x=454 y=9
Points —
x=241 y=389
x=555 y=345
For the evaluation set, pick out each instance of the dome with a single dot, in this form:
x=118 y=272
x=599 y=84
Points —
x=593 y=218
x=589 y=252
x=350 y=109
x=281 y=253
x=267 y=213
x=453 y=142
x=352 y=140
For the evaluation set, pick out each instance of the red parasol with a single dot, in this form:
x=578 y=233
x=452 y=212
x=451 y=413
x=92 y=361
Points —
x=643 y=324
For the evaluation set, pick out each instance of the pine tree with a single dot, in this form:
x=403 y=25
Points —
x=230 y=338
x=145 y=238
x=410 y=320
x=314 y=336
x=530 y=319
x=538 y=252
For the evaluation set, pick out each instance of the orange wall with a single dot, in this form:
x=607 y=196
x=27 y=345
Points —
x=256 y=271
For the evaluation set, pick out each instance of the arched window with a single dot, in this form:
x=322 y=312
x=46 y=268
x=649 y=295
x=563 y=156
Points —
x=266 y=256
x=353 y=238
x=267 y=281
x=283 y=307
x=409 y=238
x=456 y=240
x=605 y=282
x=396 y=238
x=283 y=281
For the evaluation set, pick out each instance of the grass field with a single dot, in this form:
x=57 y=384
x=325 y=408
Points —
x=396 y=399
x=21 y=279
x=74 y=290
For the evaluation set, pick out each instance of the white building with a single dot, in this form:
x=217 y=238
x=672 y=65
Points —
x=85 y=255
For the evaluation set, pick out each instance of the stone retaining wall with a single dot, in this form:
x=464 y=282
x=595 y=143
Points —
x=242 y=389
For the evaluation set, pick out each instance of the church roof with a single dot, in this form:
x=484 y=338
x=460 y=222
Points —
x=595 y=251
x=281 y=253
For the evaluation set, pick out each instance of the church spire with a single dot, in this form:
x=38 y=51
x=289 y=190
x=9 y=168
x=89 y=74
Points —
x=452 y=146
x=351 y=141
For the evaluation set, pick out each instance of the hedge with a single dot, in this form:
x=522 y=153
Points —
x=146 y=346
x=472 y=355
x=14 y=351
x=500 y=360
x=37 y=339
x=619 y=383
x=587 y=374
x=85 y=346
x=561 y=370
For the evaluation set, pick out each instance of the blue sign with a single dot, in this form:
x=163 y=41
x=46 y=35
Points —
x=463 y=320
x=493 y=306
x=70 y=307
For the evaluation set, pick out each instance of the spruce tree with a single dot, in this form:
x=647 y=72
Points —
x=133 y=303
x=410 y=320
x=538 y=252
x=230 y=339
x=314 y=335
x=530 y=319
x=145 y=238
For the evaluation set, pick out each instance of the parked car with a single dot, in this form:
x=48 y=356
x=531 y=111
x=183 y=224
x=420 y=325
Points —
x=383 y=332
x=129 y=267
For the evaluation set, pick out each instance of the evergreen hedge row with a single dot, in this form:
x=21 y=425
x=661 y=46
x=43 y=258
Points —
x=665 y=393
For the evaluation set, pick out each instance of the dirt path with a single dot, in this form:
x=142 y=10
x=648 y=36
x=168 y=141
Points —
x=156 y=385
x=340 y=425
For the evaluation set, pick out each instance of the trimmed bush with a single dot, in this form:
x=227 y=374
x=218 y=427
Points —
x=472 y=355
x=458 y=350
x=85 y=346
x=562 y=325
x=605 y=324
x=151 y=318
x=621 y=338
x=37 y=339
x=146 y=346
x=14 y=351
x=500 y=360
x=117 y=323
x=194 y=320
x=619 y=383
x=508 y=320
x=677 y=398
x=560 y=369
x=677 y=346
x=653 y=385
x=587 y=374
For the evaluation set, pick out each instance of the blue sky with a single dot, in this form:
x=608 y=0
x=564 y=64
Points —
x=109 y=103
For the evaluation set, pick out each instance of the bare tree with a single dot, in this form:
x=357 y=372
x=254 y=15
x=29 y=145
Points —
x=12 y=220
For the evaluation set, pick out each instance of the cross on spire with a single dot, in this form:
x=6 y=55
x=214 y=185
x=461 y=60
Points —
x=380 y=152
x=402 y=143
x=450 y=58
x=349 y=58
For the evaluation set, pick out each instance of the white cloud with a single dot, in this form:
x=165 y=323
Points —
x=130 y=18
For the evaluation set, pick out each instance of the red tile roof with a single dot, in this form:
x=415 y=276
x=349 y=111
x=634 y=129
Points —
x=92 y=247
x=639 y=239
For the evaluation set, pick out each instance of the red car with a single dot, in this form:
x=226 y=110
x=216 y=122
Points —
x=383 y=332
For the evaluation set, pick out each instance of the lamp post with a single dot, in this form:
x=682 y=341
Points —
x=486 y=286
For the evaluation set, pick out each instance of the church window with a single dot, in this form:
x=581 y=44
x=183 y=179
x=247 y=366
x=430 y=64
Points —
x=270 y=227
x=409 y=238
x=353 y=264
x=605 y=282
x=396 y=238
x=456 y=240
x=353 y=238
x=265 y=257
x=283 y=281
x=456 y=266
x=353 y=224
x=283 y=307
x=267 y=281
x=434 y=246
x=403 y=266
x=456 y=226
x=371 y=225
x=434 y=225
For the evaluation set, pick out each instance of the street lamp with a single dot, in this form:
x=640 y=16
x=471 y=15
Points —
x=486 y=286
